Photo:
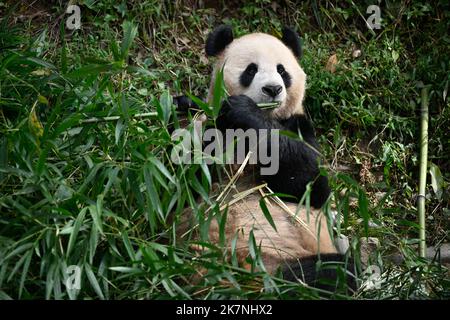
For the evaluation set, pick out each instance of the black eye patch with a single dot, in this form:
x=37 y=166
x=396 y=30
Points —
x=284 y=75
x=248 y=74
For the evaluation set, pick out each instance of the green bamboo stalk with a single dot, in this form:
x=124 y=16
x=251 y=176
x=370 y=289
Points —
x=423 y=170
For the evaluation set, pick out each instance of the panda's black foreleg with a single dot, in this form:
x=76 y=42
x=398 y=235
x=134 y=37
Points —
x=300 y=124
x=240 y=112
x=298 y=161
x=298 y=166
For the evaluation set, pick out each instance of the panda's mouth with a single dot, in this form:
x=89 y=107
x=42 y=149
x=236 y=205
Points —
x=266 y=102
x=259 y=98
x=268 y=105
x=266 y=99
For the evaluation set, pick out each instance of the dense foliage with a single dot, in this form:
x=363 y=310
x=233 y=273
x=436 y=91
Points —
x=102 y=194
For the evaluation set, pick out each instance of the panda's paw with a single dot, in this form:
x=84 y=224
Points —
x=240 y=104
x=239 y=112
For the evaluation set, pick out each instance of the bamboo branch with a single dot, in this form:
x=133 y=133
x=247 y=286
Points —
x=114 y=118
x=154 y=114
x=423 y=170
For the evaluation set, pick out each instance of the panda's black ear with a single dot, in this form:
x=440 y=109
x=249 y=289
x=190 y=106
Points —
x=292 y=40
x=218 y=40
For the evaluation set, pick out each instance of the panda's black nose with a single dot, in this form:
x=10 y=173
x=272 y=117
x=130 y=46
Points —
x=272 y=91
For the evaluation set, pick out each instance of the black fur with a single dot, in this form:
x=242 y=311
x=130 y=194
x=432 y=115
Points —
x=284 y=75
x=184 y=103
x=292 y=40
x=298 y=160
x=322 y=273
x=247 y=76
x=218 y=39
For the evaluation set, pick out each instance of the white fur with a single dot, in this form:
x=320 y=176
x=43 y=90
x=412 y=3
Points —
x=267 y=75
x=267 y=52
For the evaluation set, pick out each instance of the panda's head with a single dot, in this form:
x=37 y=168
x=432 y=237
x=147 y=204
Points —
x=260 y=66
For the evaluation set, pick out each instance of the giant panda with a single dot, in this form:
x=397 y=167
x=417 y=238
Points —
x=260 y=68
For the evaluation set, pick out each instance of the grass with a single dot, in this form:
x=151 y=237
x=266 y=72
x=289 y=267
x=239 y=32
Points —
x=76 y=189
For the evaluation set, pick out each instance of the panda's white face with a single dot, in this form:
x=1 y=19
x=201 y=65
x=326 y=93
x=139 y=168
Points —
x=261 y=80
x=263 y=68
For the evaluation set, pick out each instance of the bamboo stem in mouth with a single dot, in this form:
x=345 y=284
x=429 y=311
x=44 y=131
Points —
x=268 y=105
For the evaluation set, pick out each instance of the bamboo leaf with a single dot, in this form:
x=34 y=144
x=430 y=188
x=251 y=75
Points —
x=93 y=281
x=437 y=181
x=218 y=91
x=26 y=266
x=34 y=124
x=16 y=251
x=92 y=69
x=164 y=108
x=364 y=209
x=252 y=248
x=118 y=131
x=222 y=225
x=75 y=230
x=125 y=269
x=41 y=62
x=93 y=242
x=151 y=192
x=162 y=168
x=96 y=213
x=128 y=246
x=265 y=210
x=129 y=33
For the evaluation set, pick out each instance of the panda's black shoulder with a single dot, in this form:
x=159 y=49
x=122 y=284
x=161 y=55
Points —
x=300 y=122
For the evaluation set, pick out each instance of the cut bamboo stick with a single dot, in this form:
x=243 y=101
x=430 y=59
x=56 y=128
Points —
x=423 y=170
